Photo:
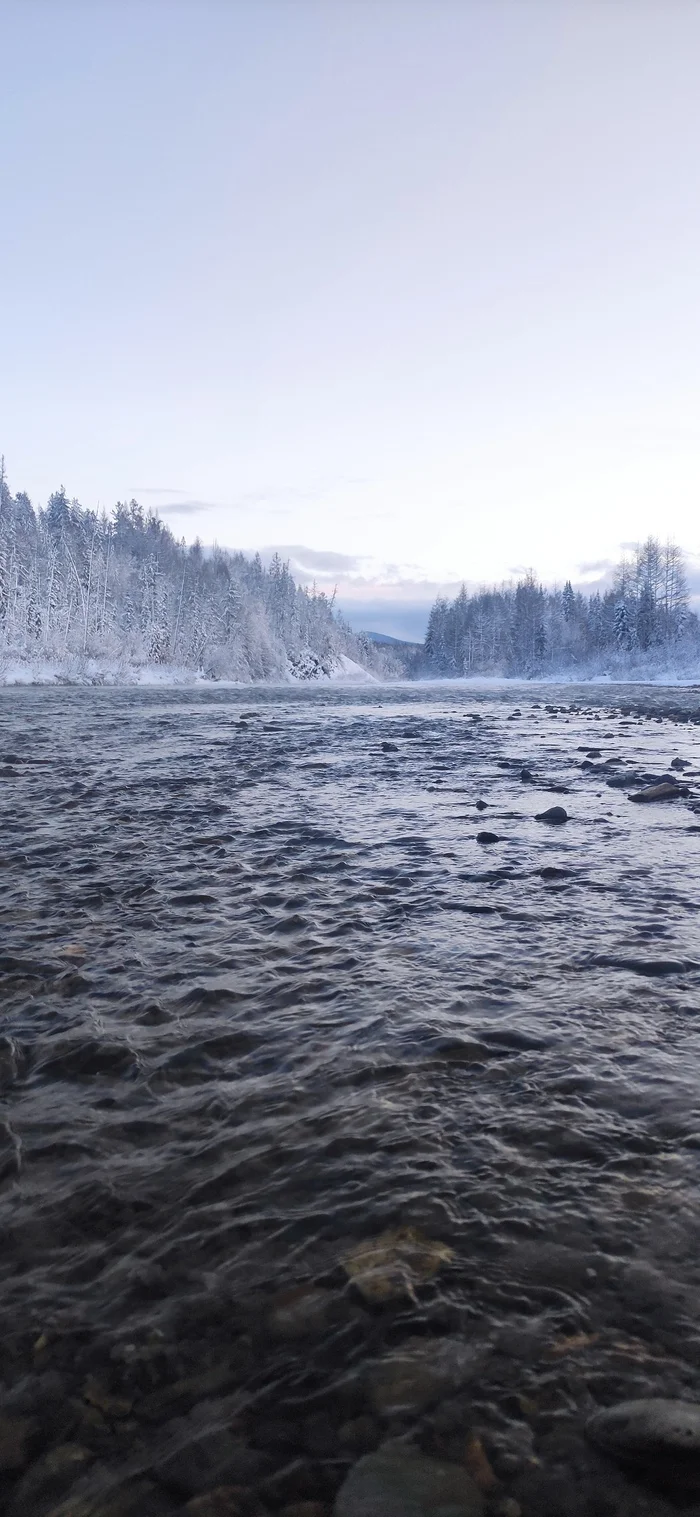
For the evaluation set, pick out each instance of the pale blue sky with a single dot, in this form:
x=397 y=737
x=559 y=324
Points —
x=411 y=283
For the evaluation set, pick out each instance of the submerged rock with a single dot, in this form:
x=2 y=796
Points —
x=393 y=1264
x=659 y=1437
x=623 y=781
x=423 y=1370
x=397 y=1481
x=130 y=1498
x=556 y=815
x=15 y=1436
x=487 y=837
x=304 y=1311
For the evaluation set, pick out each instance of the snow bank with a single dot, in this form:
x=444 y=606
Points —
x=314 y=668
x=308 y=667
x=348 y=672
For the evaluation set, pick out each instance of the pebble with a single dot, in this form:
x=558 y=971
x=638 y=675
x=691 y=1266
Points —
x=397 y=1481
x=554 y=814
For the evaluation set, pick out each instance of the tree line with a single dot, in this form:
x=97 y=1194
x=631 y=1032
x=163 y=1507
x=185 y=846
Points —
x=641 y=623
x=79 y=586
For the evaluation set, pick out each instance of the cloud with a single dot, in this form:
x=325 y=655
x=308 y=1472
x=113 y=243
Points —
x=356 y=573
x=312 y=561
x=186 y=507
x=155 y=490
x=597 y=566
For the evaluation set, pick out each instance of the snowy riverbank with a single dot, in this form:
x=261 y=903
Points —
x=309 y=669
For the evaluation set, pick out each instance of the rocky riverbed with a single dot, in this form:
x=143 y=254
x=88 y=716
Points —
x=351 y=1106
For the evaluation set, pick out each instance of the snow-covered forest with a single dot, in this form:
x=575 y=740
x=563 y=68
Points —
x=640 y=626
x=88 y=595
x=83 y=594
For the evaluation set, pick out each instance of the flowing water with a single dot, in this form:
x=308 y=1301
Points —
x=264 y=995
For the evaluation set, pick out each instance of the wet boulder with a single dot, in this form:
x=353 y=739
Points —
x=665 y=791
x=656 y=1437
x=555 y=815
x=398 y=1481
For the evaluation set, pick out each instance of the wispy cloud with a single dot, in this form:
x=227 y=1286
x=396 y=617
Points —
x=596 y=566
x=186 y=507
x=155 y=490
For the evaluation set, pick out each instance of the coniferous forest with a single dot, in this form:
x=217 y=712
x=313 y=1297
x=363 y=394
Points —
x=641 y=626
x=80 y=590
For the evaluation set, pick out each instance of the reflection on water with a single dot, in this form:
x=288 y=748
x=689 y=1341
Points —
x=264 y=995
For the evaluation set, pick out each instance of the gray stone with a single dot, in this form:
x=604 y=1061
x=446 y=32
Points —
x=555 y=815
x=656 y=1437
x=666 y=791
x=399 y=1482
x=650 y=1425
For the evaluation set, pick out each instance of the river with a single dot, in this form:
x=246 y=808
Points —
x=265 y=996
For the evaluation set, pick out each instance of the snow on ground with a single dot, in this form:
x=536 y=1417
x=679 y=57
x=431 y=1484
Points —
x=307 y=668
x=347 y=672
x=311 y=668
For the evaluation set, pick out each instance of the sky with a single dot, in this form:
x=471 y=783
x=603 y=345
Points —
x=409 y=290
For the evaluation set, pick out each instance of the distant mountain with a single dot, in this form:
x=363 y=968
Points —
x=394 y=642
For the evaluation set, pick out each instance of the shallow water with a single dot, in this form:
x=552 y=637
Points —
x=264 y=995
